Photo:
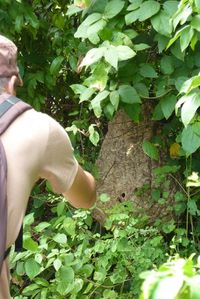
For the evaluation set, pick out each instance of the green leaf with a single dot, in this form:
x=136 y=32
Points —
x=30 y=244
x=197 y=3
x=157 y=113
x=41 y=226
x=189 y=108
x=57 y=264
x=28 y=291
x=141 y=47
x=93 y=135
x=170 y=7
x=185 y=37
x=70 y=226
x=78 y=88
x=190 y=141
x=32 y=268
x=150 y=150
x=133 y=111
x=192 y=207
x=95 y=28
x=113 y=8
x=147 y=71
x=125 y=53
x=132 y=17
x=136 y=4
x=195 y=23
x=176 y=36
x=60 y=238
x=190 y=84
x=82 y=29
x=86 y=95
x=182 y=15
x=168 y=227
x=55 y=65
x=107 y=294
x=73 y=9
x=168 y=105
x=128 y=94
x=111 y=56
x=114 y=99
x=96 y=102
x=196 y=128
x=167 y=65
x=109 y=111
x=162 y=23
x=92 y=56
x=60 y=208
x=148 y=9
x=66 y=274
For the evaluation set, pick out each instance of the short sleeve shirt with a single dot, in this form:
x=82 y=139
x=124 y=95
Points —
x=36 y=147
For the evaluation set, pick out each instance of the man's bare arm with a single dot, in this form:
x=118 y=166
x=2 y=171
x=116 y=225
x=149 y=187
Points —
x=82 y=193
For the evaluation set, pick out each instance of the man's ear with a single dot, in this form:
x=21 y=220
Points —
x=11 y=86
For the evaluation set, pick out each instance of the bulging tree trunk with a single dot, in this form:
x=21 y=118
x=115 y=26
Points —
x=124 y=168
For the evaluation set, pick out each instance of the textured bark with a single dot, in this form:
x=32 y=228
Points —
x=124 y=168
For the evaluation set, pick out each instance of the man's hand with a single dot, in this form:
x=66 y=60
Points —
x=82 y=193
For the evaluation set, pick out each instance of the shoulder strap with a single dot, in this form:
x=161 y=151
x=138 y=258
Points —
x=10 y=108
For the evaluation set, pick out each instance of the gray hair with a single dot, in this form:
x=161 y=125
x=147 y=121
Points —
x=3 y=82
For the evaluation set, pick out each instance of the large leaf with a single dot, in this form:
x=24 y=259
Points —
x=148 y=9
x=95 y=28
x=32 y=268
x=185 y=37
x=150 y=150
x=190 y=106
x=111 y=56
x=167 y=65
x=55 y=65
x=190 y=84
x=30 y=244
x=93 y=56
x=129 y=94
x=147 y=71
x=167 y=105
x=113 y=8
x=162 y=23
x=170 y=7
x=93 y=135
x=176 y=36
x=96 y=102
x=195 y=23
x=190 y=141
x=132 y=17
x=125 y=52
x=82 y=29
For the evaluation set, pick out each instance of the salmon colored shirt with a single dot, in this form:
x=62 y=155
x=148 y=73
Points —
x=36 y=147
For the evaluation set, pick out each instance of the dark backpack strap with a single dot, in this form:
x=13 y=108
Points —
x=7 y=104
x=10 y=108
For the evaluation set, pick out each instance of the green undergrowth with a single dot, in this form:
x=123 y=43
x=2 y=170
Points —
x=71 y=256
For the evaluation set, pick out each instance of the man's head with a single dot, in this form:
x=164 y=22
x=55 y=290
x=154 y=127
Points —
x=9 y=72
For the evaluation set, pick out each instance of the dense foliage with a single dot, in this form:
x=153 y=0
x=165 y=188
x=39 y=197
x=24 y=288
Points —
x=71 y=256
x=81 y=62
